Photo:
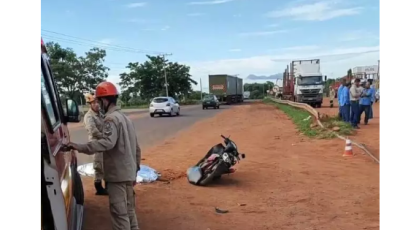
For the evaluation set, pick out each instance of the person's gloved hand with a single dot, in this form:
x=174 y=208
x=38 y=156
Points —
x=72 y=145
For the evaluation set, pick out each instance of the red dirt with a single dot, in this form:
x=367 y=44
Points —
x=287 y=181
x=367 y=134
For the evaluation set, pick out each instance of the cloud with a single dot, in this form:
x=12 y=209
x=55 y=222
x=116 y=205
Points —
x=358 y=35
x=235 y=50
x=137 y=4
x=214 y=2
x=106 y=41
x=69 y=13
x=317 y=11
x=300 y=48
x=272 y=25
x=195 y=14
x=262 y=33
x=138 y=20
x=334 y=63
x=165 y=28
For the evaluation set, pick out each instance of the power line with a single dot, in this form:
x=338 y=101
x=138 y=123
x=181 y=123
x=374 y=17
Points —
x=84 y=41
x=69 y=41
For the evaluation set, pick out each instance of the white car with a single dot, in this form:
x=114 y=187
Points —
x=164 y=105
x=377 y=95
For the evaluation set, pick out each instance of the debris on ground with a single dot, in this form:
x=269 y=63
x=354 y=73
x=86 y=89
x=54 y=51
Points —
x=221 y=211
x=146 y=174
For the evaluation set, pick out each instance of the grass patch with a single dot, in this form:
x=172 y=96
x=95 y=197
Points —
x=345 y=128
x=305 y=122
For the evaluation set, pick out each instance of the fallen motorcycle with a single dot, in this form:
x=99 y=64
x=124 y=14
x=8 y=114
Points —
x=218 y=161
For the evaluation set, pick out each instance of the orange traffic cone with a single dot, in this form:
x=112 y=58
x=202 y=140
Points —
x=348 y=150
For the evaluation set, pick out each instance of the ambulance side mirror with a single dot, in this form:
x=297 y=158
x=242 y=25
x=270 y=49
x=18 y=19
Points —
x=73 y=114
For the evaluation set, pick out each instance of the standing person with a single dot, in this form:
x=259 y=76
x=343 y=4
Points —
x=354 y=103
x=345 y=103
x=94 y=125
x=339 y=93
x=365 y=103
x=331 y=96
x=121 y=157
x=373 y=98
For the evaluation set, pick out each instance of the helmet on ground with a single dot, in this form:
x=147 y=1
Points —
x=105 y=89
x=89 y=98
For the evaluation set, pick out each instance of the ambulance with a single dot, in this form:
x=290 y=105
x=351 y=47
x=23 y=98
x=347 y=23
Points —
x=62 y=193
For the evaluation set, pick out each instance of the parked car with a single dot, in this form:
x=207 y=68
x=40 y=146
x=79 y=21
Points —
x=377 y=96
x=211 y=101
x=164 y=105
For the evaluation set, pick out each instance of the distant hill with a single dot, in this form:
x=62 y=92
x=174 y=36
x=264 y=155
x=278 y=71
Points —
x=262 y=77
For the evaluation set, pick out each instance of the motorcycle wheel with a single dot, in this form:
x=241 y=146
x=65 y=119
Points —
x=209 y=177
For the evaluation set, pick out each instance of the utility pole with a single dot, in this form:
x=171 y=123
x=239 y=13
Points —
x=201 y=90
x=165 y=74
x=379 y=61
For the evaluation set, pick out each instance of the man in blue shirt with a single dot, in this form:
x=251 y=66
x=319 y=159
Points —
x=344 y=102
x=365 y=102
x=373 y=91
x=338 y=96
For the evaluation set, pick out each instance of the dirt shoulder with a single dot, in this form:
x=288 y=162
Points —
x=367 y=134
x=287 y=181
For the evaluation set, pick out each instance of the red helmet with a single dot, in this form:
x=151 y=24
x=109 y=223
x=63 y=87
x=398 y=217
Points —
x=105 y=89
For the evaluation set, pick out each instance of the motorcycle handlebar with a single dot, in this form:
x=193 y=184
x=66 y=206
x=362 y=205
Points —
x=223 y=136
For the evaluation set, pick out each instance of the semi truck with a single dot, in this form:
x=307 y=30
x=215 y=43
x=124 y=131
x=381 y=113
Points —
x=303 y=82
x=227 y=88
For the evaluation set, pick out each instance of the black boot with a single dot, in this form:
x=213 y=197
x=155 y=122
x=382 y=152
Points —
x=105 y=182
x=99 y=189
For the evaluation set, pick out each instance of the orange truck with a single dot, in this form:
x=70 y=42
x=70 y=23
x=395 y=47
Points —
x=62 y=193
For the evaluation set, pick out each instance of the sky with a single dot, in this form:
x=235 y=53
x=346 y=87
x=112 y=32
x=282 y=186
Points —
x=241 y=37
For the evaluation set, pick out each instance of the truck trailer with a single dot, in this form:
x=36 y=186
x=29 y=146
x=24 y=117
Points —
x=228 y=89
x=303 y=82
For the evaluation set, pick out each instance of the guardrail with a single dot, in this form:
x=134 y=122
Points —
x=317 y=117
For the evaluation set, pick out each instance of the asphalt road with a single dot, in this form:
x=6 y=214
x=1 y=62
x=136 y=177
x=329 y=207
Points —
x=150 y=131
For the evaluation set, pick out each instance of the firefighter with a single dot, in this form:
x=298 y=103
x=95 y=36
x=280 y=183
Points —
x=121 y=158
x=94 y=124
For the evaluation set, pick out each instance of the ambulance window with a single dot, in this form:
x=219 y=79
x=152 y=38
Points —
x=47 y=103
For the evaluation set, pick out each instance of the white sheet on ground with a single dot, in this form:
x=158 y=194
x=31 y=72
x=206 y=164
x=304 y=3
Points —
x=146 y=174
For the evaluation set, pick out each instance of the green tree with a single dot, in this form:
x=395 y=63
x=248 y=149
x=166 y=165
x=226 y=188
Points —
x=349 y=73
x=65 y=66
x=147 y=79
x=258 y=90
x=75 y=75
x=92 y=69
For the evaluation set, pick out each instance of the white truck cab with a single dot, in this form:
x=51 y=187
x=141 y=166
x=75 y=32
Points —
x=309 y=82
